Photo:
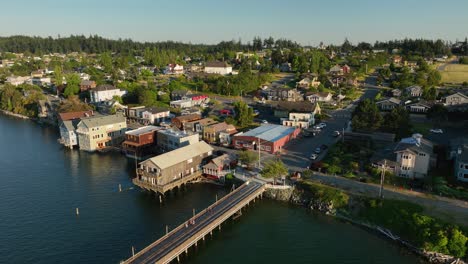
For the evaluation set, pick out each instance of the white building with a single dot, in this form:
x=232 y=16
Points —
x=300 y=120
x=68 y=136
x=169 y=139
x=17 y=80
x=218 y=67
x=155 y=115
x=174 y=69
x=104 y=93
x=99 y=132
x=413 y=156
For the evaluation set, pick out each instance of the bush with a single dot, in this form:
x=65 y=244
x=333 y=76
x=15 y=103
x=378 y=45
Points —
x=326 y=194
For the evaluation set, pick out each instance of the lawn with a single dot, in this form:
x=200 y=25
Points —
x=455 y=73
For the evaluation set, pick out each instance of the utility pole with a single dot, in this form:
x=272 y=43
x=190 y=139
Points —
x=259 y=153
x=342 y=136
x=382 y=179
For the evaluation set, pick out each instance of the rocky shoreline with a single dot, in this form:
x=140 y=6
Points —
x=8 y=113
x=298 y=197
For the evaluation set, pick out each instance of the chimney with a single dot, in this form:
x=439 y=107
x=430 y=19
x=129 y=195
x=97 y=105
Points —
x=417 y=138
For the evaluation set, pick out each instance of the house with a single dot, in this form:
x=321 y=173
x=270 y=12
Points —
x=218 y=67
x=397 y=59
x=219 y=133
x=17 y=80
x=336 y=70
x=388 y=104
x=418 y=107
x=74 y=115
x=411 y=64
x=68 y=136
x=160 y=172
x=37 y=74
x=140 y=143
x=220 y=166
x=180 y=120
x=169 y=139
x=459 y=154
x=410 y=158
x=283 y=108
x=181 y=104
x=174 y=69
x=198 y=125
x=413 y=156
x=319 y=97
x=269 y=138
x=155 y=115
x=414 y=91
x=86 y=85
x=43 y=81
x=285 y=94
x=346 y=69
x=306 y=83
x=99 y=132
x=396 y=92
x=135 y=112
x=104 y=93
x=455 y=99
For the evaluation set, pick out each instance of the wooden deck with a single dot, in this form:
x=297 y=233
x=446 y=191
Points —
x=162 y=189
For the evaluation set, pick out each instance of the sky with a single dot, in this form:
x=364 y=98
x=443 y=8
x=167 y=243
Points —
x=210 y=21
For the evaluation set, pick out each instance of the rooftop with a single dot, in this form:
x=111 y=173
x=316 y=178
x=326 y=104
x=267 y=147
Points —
x=105 y=87
x=217 y=64
x=102 y=120
x=179 y=155
x=174 y=133
x=269 y=132
x=143 y=130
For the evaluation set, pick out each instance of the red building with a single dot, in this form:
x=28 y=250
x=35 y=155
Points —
x=270 y=138
x=140 y=143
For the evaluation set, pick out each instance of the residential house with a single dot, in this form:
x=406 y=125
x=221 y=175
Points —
x=218 y=67
x=459 y=154
x=140 y=143
x=319 y=97
x=135 y=112
x=181 y=104
x=336 y=70
x=174 y=69
x=388 y=104
x=68 y=136
x=397 y=59
x=455 y=99
x=219 y=133
x=74 y=115
x=396 y=92
x=37 y=74
x=284 y=94
x=169 y=139
x=99 y=132
x=43 y=81
x=218 y=167
x=17 y=80
x=180 y=120
x=155 y=115
x=86 y=85
x=418 y=107
x=307 y=82
x=198 y=125
x=413 y=156
x=161 y=171
x=414 y=91
x=104 y=93
x=269 y=138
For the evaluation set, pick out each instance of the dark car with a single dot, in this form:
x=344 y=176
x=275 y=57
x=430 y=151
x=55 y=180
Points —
x=323 y=147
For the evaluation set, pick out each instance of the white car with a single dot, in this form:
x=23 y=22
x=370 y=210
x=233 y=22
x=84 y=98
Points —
x=437 y=131
x=322 y=125
x=264 y=122
x=313 y=156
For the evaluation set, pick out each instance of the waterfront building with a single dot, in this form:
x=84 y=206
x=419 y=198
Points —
x=141 y=142
x=169 y=139
x=68 y=136
x=99 y=132
x=169 y=170
x=220 y=166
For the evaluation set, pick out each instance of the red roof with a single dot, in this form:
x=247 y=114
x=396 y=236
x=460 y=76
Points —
x=75 y=115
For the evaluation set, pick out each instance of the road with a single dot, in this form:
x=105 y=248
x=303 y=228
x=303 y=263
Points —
x=449 y=209
x=296 y=154
x=182 y=234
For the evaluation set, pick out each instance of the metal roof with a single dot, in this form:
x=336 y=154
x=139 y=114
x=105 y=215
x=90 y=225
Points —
x=179 y=155
x=270 y=132
x=143 y=130
x=102 y=120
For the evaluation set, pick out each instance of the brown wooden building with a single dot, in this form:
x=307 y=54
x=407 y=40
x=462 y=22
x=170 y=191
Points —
x=180 y=120
x=140 y=143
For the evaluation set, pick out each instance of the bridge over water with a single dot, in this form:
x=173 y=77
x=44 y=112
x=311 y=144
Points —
x=179 y=240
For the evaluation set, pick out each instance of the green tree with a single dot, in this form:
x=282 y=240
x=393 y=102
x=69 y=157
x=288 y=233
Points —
x=430 y=94
x=106 y=61
x=366 y=116
x=274 y=169
x=58 y=75
x=243 y=114
x=248 y=157
x=398 y=122
x=438 y=113
x=73 y=85
x=434 y=78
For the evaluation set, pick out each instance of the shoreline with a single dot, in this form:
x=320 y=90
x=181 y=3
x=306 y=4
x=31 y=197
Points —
x=8 y=113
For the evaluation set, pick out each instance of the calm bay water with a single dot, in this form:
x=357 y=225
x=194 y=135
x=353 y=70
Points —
x=41 y=184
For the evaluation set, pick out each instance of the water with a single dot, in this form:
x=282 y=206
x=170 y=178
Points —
x=41 y=184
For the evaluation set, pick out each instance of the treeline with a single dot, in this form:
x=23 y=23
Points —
x=421 y=47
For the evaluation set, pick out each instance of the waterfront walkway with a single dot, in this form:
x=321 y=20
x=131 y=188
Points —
x=179 y=240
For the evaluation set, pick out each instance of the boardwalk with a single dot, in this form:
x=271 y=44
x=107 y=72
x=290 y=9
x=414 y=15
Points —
x=179 y=240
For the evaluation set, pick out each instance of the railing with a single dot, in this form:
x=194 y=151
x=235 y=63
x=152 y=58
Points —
x=168 y=186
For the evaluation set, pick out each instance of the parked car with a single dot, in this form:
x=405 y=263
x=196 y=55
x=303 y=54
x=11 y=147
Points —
x=313 y=156
x=322 y=125
x=318 y=150
x=264 y=121
x=437 y=131
x=336 y=133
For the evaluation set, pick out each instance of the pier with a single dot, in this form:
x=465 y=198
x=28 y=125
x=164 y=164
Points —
x=177 y=242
